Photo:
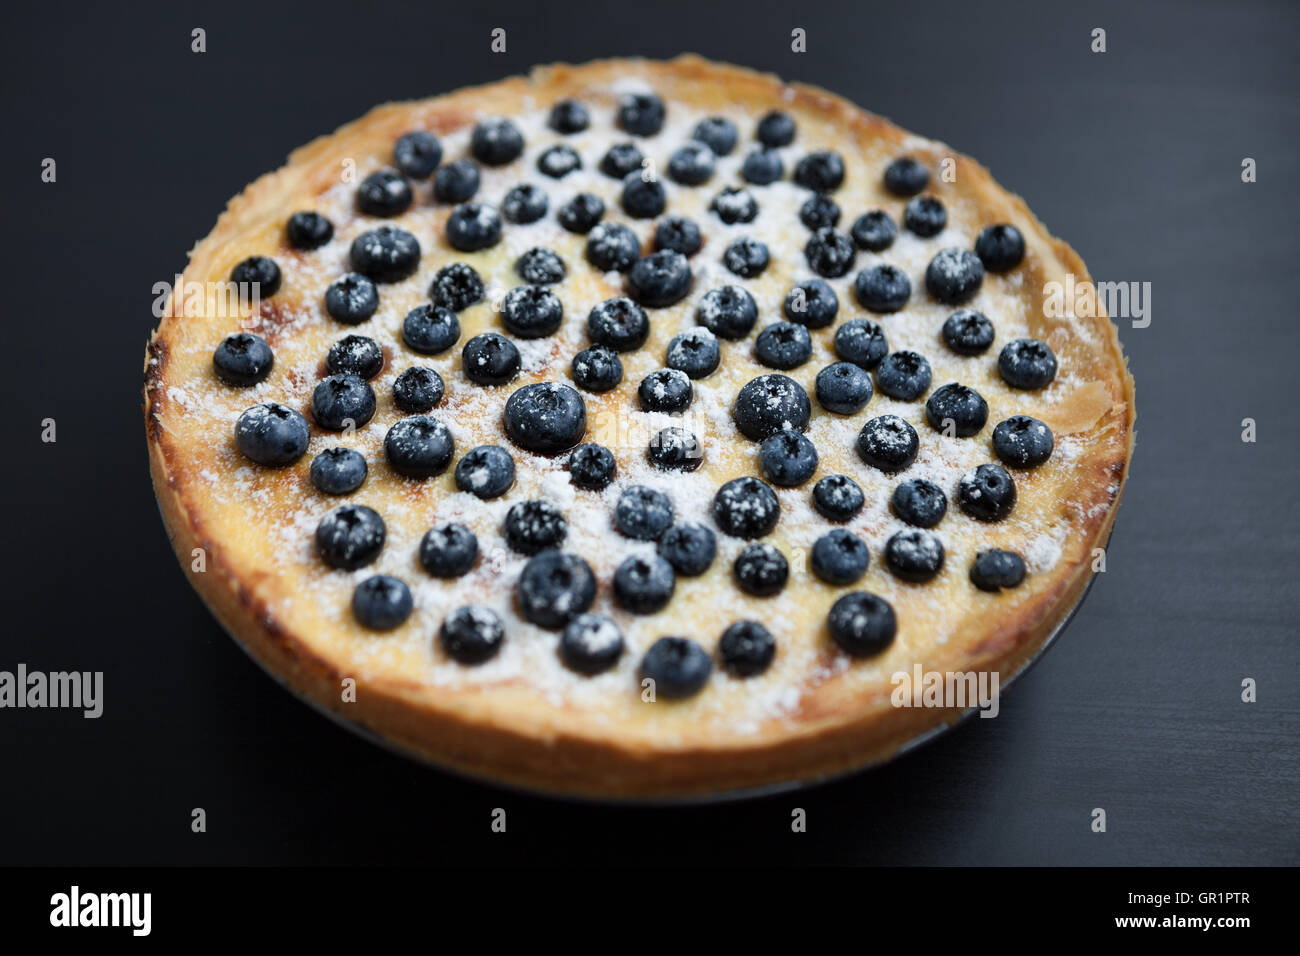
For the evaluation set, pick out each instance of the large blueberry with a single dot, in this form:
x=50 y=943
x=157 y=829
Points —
x=419 y=447
x=490 y=359
x=554 y=588
x=843 y=388
x=770 y=403
x=659 y=279
x=272 y=434
x=350 y=537
x=546 y=417
x=746 y=508
x=342 y=401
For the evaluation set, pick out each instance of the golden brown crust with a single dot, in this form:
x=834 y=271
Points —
x=504 y=732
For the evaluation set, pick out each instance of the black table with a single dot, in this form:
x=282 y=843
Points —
x=1134 y=155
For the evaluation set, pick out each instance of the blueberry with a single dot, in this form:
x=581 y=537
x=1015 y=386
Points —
x=456 y=287
x=568 y=116
x=596 y=369
x=523 y=204
x=762 y=167
x=819 y=211
x=357 y=354
x=746 y=257
x=861 y=342
x=419 y=447
x=621 y=160
x=689 y=548
x=675 y=449
x=531 y=312
x=342 y=401
x=920 y=503
x=691 y=165
x=545 y=417
x=830 y=253
x=338 y=471
x=761 y=570
x=996 y=569
x=954 y=276
x=591 y=644
x=259 y=272
x=581 y=213
x=660 y=279
x=843 y=388
x=382 y=602
x=729 y=312
x=472 y=634
x=746 y=508
x=987 y=493
x=612 y=247
x=694 y=352
x=734 y=205
x=643 y=513
x=619 y=324
x=350 y=537
x=384 y=193
x=787 y=458
x=768 y=404
x=776 y=128
x=1023 y=442
x=417 y=154
x=644 y=584
x=961 y=405
x=641 y=114
x=1001 y=248
x=837 y=497
x=839 y=557
x=308 y=230
x=716 y=132
x=783 y=345
x=678 y=234
x=642 y=198
x=540 y=266
x=862 y=624
x=242 y=359
x=271 y=434
x=822 y=171
x=456 y=182
x=746 y=649
x=882 y=288
x=473 y=226
x=903 y=375
x=490 y=359
x=386 y=254
x=1027 y=363
x=430 y=329
x=351 y=299
x=486 y=472
x=812 y=303
x=448 y=550
x=888 y=443
x=968 y=332
x=591 y=466
x=906 y=177
x=554 y=588
x=925 y=216
x=678 y=667
x=496 y=142
x=874 y=231
x=665 y=390
x=533 y=526
x=558 y=161
x=914 y=555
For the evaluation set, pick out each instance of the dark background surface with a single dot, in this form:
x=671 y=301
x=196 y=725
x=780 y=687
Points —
x=1133 y=155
